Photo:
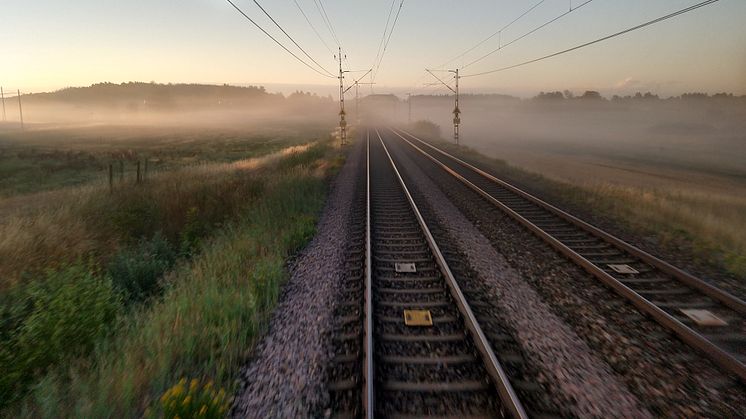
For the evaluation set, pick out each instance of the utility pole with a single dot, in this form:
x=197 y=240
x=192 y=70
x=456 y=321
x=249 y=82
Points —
x=2 y=94
x=456 y=113
x=357 y=98
x=355 y=84
x=456 y=110
x=409 y=102
x=342 y=122
x=20 y=108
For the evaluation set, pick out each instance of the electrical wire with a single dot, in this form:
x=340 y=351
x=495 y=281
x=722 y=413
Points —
x=480 y=43
x=313 y=27
x=634 y=28
x=322 y=11
x=526 y=34
x=383 y=36
x=275 y=40
x=291 y=38
x=385 y=45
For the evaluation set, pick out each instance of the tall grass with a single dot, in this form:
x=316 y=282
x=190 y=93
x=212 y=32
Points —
x=206 y=321
x=90 y=222
x=234 y=225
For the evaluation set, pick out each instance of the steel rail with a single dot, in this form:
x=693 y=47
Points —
x=724 y=297
x=718 y=355
x=505 y=390
x=368 y=386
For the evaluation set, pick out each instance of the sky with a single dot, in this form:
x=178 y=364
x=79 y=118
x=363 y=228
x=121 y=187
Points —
x=51 y=44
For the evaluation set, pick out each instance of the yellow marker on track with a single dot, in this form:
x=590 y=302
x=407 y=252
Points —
x=418 y=318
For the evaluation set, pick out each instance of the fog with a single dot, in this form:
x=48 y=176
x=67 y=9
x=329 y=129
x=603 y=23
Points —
x=183 y=106
x=699 y=133
x=693 y=132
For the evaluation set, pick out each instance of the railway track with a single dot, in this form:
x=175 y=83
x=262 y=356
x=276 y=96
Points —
x=407 y=341
x=703 y=316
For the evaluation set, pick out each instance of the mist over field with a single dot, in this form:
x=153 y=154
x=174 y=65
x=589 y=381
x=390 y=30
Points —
x=177 y=105
x=693 y=132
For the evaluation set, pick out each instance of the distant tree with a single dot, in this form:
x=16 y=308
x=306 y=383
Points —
x=591 y=94
x=694 y=96
x=426 y=129
x=549 y=96
x=569 y=94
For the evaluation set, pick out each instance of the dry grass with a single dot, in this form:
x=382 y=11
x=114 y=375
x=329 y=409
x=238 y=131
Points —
x=48 y=229
x=701 y=210
x=713 y=224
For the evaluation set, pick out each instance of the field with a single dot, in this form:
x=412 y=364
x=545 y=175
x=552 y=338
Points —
x=673 y=175
x=109 y=297
x=45 y=159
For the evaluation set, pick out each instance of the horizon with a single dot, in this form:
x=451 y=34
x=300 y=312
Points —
x=324 y=91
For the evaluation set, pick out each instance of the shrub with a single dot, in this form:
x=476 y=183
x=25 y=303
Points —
x=136 y=271
x=59 y=317
x=427 y=129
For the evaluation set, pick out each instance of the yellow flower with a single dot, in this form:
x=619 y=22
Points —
x=193 y=384
x=187 y=400
x=203 y=410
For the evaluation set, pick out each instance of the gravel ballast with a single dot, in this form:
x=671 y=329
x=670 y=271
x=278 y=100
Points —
x=668 y=377
x=585 y=385
x=286 y=374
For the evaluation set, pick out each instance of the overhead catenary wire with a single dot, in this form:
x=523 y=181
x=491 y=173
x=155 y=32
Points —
x=275 y=40
x=498 y=32
x=614 y=35
x=305 y=16
x=291 y=38
x=388 y=39
x=385 y=30
x=325 y=17
x=543 y=25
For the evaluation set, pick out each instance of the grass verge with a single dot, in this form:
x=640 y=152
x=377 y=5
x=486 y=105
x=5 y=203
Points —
x=210 y=306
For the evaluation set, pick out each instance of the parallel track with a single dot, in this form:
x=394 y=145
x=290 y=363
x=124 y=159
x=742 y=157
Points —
x=653 y=286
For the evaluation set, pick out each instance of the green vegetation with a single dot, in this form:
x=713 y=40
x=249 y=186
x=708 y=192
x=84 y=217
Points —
x=108 y=299
x=136 y=271
x=56 y=318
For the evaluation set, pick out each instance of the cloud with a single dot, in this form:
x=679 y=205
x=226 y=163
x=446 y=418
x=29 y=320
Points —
x=628 y=83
